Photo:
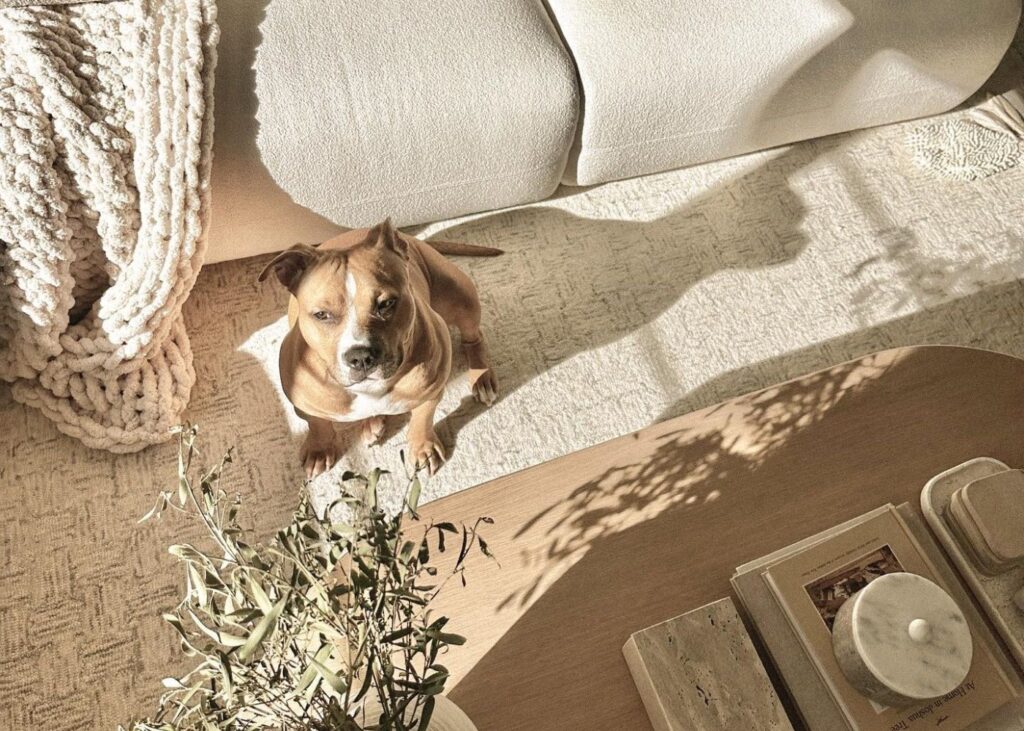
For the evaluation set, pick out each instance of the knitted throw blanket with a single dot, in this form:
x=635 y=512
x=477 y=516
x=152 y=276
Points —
x=106 y=125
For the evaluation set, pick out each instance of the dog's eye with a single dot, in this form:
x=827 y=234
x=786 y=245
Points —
x=321 y=316
x=385 y=306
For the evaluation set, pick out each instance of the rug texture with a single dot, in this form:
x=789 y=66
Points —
x=614 y=307
x=984 y=141
x=105 y=138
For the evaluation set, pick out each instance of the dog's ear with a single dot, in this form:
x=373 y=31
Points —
x=384 y=234
x=290 y=265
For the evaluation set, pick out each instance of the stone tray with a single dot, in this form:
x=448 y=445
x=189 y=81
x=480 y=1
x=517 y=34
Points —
x=994 y=593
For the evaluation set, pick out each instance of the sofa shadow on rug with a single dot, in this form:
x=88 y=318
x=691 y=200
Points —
x=621 y=275
x=613 y=278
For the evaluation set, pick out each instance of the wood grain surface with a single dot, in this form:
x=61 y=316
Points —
x=606 y=541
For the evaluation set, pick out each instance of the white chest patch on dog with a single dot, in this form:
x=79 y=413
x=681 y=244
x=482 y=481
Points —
x=368 y=403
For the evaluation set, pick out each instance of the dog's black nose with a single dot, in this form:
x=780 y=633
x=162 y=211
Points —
x=362 y=358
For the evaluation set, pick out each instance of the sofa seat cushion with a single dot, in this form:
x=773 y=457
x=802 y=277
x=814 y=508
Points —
x=669 y=83
x=339 y=114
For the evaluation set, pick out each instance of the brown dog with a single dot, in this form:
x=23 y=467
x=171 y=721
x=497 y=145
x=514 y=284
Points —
x=369 y=316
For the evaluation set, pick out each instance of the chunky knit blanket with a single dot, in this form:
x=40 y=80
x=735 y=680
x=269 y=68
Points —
x=106 y=124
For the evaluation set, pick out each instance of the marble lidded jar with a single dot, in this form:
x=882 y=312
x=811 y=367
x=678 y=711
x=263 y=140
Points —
x=902 y=640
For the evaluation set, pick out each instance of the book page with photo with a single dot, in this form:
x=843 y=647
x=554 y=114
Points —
x=812 y=584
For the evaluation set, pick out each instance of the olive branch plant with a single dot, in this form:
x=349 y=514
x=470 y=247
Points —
x=326 y=627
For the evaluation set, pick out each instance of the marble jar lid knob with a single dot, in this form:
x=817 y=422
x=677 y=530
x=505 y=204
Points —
x=919 y=630
x=902 y=639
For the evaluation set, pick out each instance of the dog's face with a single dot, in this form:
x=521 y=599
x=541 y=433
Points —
x=355 y=305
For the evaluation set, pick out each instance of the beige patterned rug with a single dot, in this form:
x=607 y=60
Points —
x=614 y=307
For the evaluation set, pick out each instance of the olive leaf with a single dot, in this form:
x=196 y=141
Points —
x=337 y=684
x=262 y=631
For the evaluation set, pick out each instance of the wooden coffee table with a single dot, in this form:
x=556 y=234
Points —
x=603 y=542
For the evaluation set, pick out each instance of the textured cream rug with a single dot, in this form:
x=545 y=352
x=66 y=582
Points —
x=613 y=308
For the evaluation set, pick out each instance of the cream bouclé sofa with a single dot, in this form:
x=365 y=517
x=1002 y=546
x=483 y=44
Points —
x=338 y=114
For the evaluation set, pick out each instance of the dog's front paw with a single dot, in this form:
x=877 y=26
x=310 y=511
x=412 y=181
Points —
x=373 y=430
x=318 y=457
x=485 y=386
x=427 y=453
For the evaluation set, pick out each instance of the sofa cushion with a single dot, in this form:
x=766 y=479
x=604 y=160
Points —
x=338 y=113
x=669 y=83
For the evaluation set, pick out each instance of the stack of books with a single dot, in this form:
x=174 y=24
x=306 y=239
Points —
x=791 y=598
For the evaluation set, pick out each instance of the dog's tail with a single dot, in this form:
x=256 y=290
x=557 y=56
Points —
x=456 y=248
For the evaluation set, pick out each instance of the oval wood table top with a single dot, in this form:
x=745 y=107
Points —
x=603 y=542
